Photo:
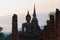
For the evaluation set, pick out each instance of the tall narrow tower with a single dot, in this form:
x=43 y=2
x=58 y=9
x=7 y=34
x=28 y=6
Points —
x=34 y=21
x=52 y=28
x=14 y=28
x=58 y=23
x=34 y=13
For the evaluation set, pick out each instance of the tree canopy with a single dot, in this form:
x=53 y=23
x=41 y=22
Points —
x=1 y=29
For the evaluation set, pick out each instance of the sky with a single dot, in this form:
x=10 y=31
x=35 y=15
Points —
x=20 y=7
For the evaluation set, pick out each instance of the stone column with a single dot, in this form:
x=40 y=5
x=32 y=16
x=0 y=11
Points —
x=52 y=29
x=58 y=23
x=46 y=31
x=14 y=28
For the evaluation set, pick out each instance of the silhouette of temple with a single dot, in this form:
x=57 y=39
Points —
x=31 y=26
x=31 y=29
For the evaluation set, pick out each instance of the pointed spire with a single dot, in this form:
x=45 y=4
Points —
x=34 y=13
x=28 y=15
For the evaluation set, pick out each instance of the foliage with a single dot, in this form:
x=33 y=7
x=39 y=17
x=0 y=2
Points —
x=9 y=37
x=1 y=29
x=51 y=13
x=2 y=36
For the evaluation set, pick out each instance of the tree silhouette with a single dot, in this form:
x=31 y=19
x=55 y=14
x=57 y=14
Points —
x=9 y=37
x=2 y=37
x=1 y=29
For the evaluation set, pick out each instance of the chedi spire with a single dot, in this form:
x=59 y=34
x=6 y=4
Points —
x=34 y=13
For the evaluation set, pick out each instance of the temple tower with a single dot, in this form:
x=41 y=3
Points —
x=52 y=28
x=34 y=22
x=58 y=23
x=14 y=28
x=46 y=31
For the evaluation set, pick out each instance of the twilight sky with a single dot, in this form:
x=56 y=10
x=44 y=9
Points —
x=20 y=7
